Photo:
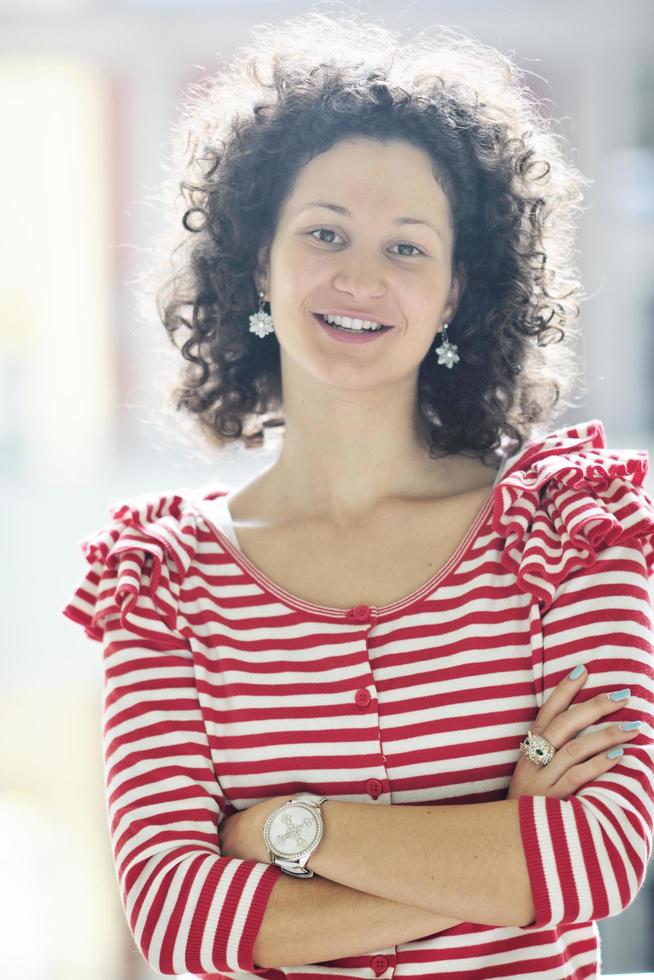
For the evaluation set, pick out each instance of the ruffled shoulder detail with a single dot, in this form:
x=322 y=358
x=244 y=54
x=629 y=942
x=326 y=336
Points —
x=563 y=498
x=138 y=562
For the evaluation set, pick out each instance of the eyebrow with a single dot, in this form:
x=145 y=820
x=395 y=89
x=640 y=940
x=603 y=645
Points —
x=339 y=209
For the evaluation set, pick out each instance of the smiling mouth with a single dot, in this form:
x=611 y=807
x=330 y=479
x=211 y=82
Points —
x=382 y=328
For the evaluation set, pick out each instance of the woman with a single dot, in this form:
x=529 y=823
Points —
x=387 y=618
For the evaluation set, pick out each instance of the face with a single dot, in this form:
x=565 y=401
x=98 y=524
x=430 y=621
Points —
x=361 y=259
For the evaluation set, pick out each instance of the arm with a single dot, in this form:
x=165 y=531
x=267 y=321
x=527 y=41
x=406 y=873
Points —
x=587 y=855
x=313 y=920
x=465 y=860
x=189 y=908
x=317 y=920
x=538 y=861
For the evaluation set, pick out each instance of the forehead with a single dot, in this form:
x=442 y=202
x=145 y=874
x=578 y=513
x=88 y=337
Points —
x=369 y=174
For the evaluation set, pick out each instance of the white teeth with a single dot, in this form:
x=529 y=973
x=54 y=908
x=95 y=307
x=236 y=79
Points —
x=351 y=323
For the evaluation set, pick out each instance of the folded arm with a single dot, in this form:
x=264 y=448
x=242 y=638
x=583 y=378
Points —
x=311 y=920
x=537 y=861
x=466 y=861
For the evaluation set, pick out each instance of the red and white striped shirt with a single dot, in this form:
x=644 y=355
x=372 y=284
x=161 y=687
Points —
x=221 y=689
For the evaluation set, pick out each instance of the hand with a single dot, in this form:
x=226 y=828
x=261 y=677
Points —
x=241 y=834
x=559 y=724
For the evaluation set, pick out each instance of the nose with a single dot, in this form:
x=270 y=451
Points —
x=361 y=280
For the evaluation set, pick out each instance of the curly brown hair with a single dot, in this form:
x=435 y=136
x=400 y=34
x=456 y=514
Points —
x=241 y=138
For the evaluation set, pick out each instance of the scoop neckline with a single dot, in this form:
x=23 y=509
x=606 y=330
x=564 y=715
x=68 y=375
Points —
x=376 y=612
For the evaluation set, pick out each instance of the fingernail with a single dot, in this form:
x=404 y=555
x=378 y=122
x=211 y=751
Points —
x=630 y=726
x=574 y=674
x=615 y=753
x=620 y=695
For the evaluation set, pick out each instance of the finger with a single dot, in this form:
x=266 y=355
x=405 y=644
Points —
x=569 y=723
x=582 y=774
x=585 y=747
x=558 y=701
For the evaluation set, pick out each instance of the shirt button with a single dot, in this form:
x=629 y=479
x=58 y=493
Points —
x=363 y=697
x=379 y=964
x=374 y=788
x=359 y=614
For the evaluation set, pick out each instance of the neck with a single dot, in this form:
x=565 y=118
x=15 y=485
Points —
x=342 y=463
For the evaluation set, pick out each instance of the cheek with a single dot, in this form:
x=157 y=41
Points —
x=304 y=286
x=298 y=264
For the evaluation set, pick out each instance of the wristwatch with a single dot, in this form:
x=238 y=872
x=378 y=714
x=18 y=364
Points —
x=293 y=831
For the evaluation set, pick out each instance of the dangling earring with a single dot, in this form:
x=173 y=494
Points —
x=261 y=323
x=447 y=352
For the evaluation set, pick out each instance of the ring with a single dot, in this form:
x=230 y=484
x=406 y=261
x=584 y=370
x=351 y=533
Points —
x=537 y=749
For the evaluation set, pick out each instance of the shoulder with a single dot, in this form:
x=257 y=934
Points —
x=564 y=498
x=138 y=561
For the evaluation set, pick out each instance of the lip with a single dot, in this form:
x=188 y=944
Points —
x=357 y=316
x=362 y=337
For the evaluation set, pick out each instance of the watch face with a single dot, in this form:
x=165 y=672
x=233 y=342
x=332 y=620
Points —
x=293 y=830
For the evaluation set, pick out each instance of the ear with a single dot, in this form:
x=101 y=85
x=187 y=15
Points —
x=457 y=290
x=262 y=271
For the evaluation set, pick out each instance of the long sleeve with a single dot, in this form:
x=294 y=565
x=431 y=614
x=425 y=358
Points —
x=189 y=909
x=587 y=855
x=582 y=540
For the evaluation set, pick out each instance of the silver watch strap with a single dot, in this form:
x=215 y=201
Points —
x=313 y=798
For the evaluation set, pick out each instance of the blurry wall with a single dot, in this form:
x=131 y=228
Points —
x=87 y=91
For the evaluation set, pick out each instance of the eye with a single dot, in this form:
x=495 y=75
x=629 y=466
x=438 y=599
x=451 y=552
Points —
x=408 y=245
x=328 y=230
x=399 y=245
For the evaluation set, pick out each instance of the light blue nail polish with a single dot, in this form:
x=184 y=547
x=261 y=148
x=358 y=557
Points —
x=620 y=695
x=615 y=753
x=630 y=726
x=574 y=674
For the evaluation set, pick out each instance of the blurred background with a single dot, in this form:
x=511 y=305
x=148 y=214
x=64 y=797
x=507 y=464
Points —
x=87 y=92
